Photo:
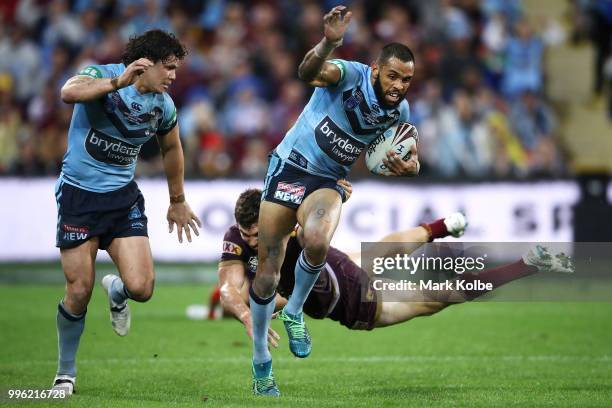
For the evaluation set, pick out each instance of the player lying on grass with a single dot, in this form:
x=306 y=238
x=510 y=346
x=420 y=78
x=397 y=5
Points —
x=343 y=291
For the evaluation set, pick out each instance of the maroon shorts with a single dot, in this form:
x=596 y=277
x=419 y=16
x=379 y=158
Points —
x=359 y=305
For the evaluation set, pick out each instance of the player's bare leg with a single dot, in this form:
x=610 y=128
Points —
x=454 y=225
x=318 y=215
x=79 y=269
x=426 y=303
x=420 y=304
x=416 y=235
x=405 y=241
x=132 y=256
x=408 y=241
x=276 y=222
x=410 y=304
x=275 y=225
x=399 y=312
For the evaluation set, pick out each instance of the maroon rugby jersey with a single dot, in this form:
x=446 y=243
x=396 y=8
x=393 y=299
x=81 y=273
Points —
x=323 y=298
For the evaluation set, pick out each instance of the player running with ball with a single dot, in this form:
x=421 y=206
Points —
x=352 y=104
x=118 y=108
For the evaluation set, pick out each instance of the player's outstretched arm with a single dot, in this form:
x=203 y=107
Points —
x=231 y=278
x=82 y=88
x=314 y=69
x=179 y=212
x=398 y=167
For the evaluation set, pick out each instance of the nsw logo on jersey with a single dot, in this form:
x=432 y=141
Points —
x=146 y=123
x=353 y=100
x=107 y=149
x=338 y=145
x=364 y=118
x=290 y=192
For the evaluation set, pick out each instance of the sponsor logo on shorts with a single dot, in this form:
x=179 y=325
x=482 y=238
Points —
x=138 y=225
x=107 y=149
x=231 y=248
x=338 y=145
x=134 y=213
x=252 y=264
x=74 y=232
x=290 y=192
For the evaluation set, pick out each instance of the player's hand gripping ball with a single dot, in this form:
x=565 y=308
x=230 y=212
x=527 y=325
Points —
x=399 y=139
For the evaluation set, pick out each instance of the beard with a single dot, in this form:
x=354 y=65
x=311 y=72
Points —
x=380 y=95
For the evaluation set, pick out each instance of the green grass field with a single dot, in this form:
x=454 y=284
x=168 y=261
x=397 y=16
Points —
x=478 y=354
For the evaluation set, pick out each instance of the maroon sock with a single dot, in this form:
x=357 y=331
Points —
x=497 y=276
x=215 y=299
x=436 y=229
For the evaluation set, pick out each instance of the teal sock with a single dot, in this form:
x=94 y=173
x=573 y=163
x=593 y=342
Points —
x=262 y=369
x=119 y=292
x=261 y=314
x=305 y=277
x=69 y=330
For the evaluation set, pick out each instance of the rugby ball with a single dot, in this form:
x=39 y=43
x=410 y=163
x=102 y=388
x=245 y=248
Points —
x=399 y=138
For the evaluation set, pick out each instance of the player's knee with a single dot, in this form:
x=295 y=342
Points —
x=265 y=284
x=316 y=245
x=140 y=290
x=79 y=292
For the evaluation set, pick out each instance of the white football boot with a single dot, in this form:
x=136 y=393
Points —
x=63 y=382
x=540 y=257
x=456 y=223
x=119 y=313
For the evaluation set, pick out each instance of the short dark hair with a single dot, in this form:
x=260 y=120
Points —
x=247 y=207
x=156 y=45
x=397 y=50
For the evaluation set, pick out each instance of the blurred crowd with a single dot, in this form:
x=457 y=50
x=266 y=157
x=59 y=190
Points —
x=592 y=21
x=478 y=98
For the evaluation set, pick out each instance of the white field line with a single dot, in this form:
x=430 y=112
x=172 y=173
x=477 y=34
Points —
x=337 y=360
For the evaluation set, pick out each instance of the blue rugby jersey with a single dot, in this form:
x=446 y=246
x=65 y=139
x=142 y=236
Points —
x=338 y=123
x=106 y=134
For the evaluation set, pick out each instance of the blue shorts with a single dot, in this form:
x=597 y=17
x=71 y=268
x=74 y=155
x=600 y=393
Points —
x=83 y=214
x=289 y=185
